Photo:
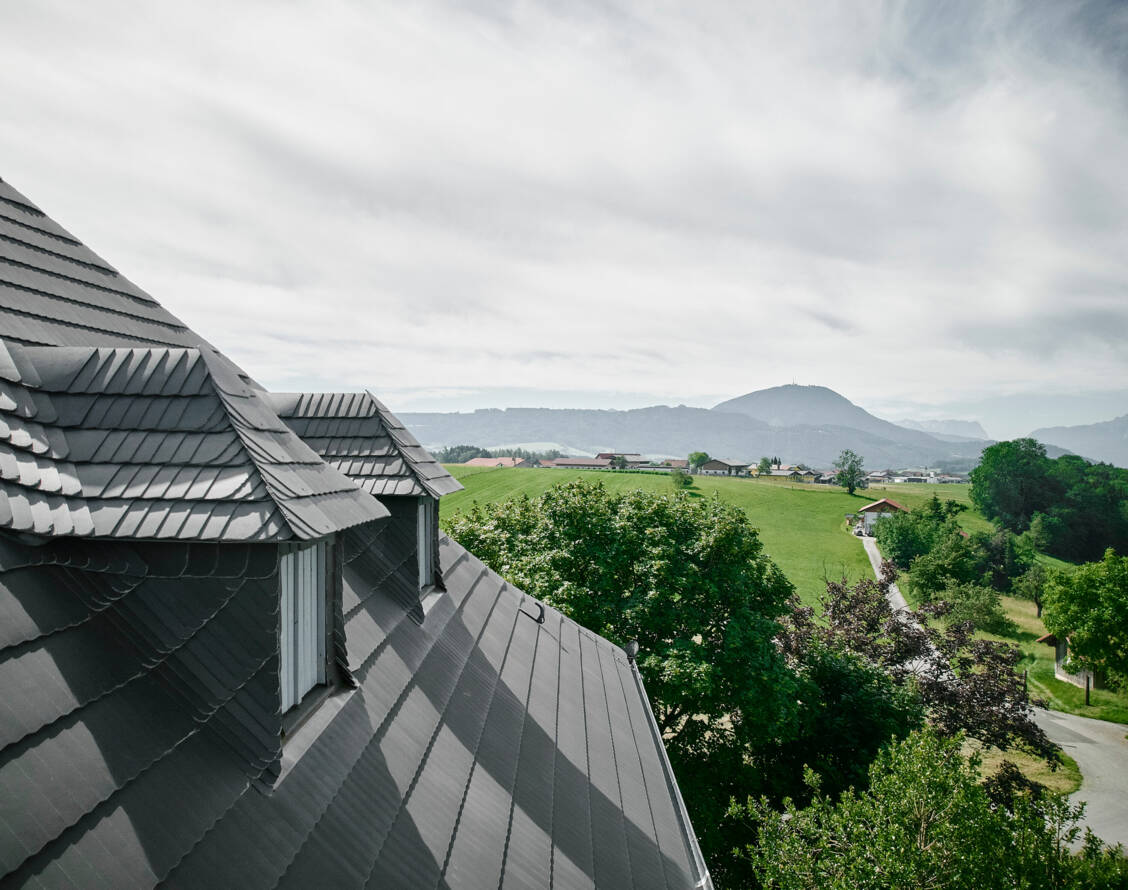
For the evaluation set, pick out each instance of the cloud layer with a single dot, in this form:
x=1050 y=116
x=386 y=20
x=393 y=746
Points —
x=594 y=203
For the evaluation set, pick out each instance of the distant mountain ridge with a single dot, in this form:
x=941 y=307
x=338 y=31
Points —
x=961 y=429
x=812 y=424
x=1106 y=441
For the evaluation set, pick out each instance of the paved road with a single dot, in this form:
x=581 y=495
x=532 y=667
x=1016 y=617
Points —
x=1099 y=747
x=896 y=600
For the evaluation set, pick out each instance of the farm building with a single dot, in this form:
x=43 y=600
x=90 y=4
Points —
x=870 y=513
x=1096 y=679
x=236 y=651
x=498 y=462
x=631 y=460
x=580 y=463
x=721 y=467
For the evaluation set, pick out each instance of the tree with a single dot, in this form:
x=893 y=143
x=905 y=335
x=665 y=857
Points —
x=1090 y=606
x=1031 y=586
x=1012 y=483
x=619 y=462
x=851 y=475
x=680 y=479
x=697 y=458
x=927 y=821
x=459 y=454
x=765 y=467
x=688 y=579
x=965 y=684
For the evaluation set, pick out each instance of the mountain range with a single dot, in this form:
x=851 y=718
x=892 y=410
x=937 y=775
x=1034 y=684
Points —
x=809 y=424
x=1107 y=441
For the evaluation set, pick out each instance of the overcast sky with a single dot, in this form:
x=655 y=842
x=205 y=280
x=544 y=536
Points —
x=922 y=206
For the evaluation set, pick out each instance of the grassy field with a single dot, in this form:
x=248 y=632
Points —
x=802 y=526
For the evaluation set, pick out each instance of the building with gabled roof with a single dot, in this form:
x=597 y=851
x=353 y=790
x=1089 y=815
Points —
x=501 y=463
x=236 y=651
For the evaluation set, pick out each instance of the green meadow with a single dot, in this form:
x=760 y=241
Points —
x=802 y=526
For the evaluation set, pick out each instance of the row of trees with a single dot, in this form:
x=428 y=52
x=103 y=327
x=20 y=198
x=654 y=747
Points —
x=758 y=699
x=459 y=454
x=1074 y=509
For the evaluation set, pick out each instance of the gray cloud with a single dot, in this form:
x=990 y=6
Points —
x=447 y=200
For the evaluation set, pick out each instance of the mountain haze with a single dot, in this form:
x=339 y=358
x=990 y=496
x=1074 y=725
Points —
x=1107 y=441
x=812 y=424
x=961 y=429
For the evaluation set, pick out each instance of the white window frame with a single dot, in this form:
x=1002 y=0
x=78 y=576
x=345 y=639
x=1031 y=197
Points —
x=303 y=582
x=425 y=547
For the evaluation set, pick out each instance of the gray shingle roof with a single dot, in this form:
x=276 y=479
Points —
x=156 y=443
x=356 y=433
x=480 y=748
x=55 y=291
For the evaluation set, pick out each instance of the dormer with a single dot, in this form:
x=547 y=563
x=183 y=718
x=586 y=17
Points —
x=356 y=434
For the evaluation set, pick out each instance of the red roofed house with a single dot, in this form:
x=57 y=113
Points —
x=501 y=462
x=870 y=513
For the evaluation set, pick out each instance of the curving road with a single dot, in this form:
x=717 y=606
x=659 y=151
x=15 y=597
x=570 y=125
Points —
x=1101 y=751
x=1099 y=747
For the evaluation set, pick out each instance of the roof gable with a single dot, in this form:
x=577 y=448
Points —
x=156 y=443
x=357 y=434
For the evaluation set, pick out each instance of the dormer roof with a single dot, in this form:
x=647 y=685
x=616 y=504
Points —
x=357 y=434
x=156 y=443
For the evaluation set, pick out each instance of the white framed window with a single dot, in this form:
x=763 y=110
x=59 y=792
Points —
x=425 y=535
x=303 y=574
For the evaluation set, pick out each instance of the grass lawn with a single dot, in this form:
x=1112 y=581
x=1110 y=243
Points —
x=1064 y=780
x=802 y=526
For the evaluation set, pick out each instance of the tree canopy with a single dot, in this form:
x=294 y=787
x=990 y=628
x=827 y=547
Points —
x=697 y=458
x=925 y=820
x=851 y=475
x=1073 y=507
x=1090 y=606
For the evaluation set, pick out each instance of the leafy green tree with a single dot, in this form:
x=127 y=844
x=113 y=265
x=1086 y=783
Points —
x=619 y=462
x=851 y=475
x=697 y=458
x=1031 y=585
x=851 y=709
x=1013 y=482
x=680 y=479
x=1090 y=606
x=687 y=578
x=965 y=684
x=926 y=821
x=765 y=467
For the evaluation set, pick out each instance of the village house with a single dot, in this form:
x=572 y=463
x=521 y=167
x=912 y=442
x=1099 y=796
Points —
x=236 y=650
x=581 y=463
x=721 y=467
x=498 y=462
x=629 y=460
x=870 y=513
x=1083 y=678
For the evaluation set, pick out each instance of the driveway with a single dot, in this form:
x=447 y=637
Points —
x=1100 y=749
x=896 y=600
